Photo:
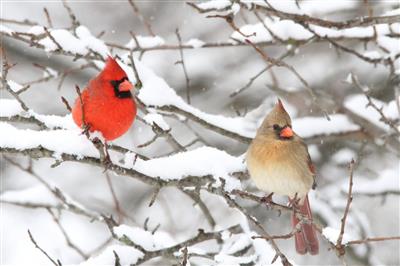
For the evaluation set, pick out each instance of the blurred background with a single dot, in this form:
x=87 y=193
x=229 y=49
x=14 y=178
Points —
x=215 y=73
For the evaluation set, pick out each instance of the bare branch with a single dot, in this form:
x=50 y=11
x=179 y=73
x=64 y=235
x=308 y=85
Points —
x=58 y=263
x=182 y=62
x=141 y=17
x=339 y=244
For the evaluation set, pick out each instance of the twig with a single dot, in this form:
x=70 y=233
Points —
x=65 y=102
x=252 y=79
x=69 y=204
x=281 y=63
x=49 y=22
x=118 y=208
x=41 y=152
x=339 y=245
x=185 y=256
x=182 y=62
x=139 y=83
x=53 y=39
x=58 y=263
x=230 y=21
x=200 y=237
x=357 y=22
x=372 y=239
x=195 y=196
x=141 y=17
x=233 y=204
x=75 y=23
x=384 y=118
x=117 y=260
x=66 y=237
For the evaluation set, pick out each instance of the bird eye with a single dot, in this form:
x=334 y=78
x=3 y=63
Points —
x=276 y=126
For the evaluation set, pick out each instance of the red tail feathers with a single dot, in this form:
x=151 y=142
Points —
x=306 y=239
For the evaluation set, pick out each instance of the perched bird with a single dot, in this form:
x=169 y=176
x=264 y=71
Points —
x=278 y=161
x=107 y=103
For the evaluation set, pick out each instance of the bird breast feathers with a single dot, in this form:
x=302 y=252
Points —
x=280 y=167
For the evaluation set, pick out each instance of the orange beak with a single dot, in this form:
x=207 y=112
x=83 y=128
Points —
x=286 y=132
x=125 y=86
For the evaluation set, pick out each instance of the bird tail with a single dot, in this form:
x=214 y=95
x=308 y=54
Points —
x=306 y=240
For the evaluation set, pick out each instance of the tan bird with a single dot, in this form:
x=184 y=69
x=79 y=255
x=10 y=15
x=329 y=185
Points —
x=278 y=161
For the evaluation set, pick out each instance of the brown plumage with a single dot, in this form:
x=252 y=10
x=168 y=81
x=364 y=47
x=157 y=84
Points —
x=278 y=161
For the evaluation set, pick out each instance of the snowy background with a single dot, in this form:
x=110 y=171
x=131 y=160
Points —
x=174 y=187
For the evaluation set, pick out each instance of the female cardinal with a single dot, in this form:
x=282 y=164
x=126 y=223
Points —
x=107 y=103
x=278 y=161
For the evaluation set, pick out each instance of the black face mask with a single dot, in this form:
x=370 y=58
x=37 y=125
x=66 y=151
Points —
x=117 y=92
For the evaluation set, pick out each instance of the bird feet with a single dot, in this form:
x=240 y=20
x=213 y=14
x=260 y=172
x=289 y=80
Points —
x=85 y=130
x=104 y=155
x=267 y=199
x=294 y=203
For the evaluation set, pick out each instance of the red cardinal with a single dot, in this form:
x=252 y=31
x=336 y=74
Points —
x=278 y=161
x=108 y=104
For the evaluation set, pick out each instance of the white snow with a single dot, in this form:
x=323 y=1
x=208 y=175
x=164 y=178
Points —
x=195 y=43
x=9 y=107
x=284 y=29
x=392 y=12
x=151 y=118
x=145 y=239
x=392 y=45
x=59 y=141
x=50 y=72
x=357 y=103
x=225 y=259
x=287 y=29
x=127 y=255
x=343 y=156
x=145 y=42
x=36 y=30
x=14 y=85
x=332 y=234
x=372 y=55
x=67 y=41
x=198 y=162
x=215 y=4
x=387 y=180
x=35 y=195
x=313 y=126
x=156 y=92
x=316 y=8
x=91 y=42
x=6 y=30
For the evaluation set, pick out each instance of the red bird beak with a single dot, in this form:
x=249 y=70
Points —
x=286 y=132
x=125 y=86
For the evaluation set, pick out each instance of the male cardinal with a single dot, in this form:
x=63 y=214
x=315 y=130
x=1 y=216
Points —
x=278 y=161
x=107 y=103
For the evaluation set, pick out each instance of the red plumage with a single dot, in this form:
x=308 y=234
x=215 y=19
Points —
x=107 y=103
x=306 y=240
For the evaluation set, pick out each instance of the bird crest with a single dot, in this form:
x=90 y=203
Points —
x=112 y=70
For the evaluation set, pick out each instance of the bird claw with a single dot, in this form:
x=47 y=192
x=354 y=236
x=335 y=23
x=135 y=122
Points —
x=267 y=199
x=85 y=130
x=107 y=163
x=294 y=203
x=104 y=155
